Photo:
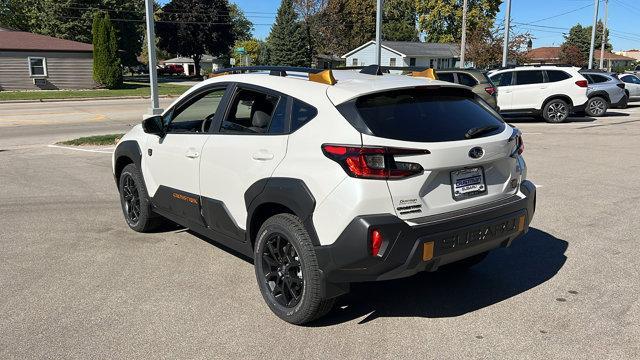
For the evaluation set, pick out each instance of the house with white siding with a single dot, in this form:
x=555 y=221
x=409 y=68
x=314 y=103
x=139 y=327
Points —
x=406 y=53
x=31 y=62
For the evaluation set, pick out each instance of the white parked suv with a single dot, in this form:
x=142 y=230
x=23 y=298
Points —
x=323 y=184
x=553 y=92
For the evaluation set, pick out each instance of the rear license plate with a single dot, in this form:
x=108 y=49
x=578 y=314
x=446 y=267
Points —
x=466 y=183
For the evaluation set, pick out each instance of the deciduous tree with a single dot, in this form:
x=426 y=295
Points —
x=580 y=37
x=570 y=54
x=484 y=47
x=441 y=20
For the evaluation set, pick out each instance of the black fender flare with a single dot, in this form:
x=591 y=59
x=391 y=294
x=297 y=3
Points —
x=288 y=192
x=565 y=98
x=126 y=149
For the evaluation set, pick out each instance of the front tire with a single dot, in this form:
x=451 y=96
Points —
x=597 y=106
x=287 y=271
x=555 y=111
x=134 y=199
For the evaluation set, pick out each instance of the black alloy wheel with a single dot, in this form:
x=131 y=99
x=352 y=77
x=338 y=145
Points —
x=282 y=270
x=131 y=198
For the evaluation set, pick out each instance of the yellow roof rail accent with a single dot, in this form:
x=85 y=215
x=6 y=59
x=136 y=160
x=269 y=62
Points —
x=429 y=73
x=323 y=77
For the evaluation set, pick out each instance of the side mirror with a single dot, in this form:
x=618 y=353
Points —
x=154 y=125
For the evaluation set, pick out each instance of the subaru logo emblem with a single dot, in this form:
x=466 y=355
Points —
x=476 y=152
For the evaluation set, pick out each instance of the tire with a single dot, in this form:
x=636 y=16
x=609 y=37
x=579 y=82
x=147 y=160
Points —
x=555 y=111
x=133 y=194
x=597 y=106
x=286 y=265
x=624 y=103
x=465 y=264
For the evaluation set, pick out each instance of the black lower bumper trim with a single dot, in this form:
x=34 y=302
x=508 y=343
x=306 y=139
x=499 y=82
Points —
x=402 y=254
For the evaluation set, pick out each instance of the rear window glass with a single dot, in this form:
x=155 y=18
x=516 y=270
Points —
x=301 y=113
x=426 y=115
x=599 y=78
x=557 y=75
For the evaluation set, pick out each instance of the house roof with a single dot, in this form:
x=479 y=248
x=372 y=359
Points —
x=415 y=48
x=188 y=60
x=544 y=53
x=611 y=56
x=25 y=41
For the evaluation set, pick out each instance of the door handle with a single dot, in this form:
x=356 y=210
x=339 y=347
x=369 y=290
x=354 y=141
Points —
x=262 y=156
x=192 y=154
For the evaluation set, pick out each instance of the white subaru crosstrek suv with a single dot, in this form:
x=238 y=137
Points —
x=325 y=183
x=553 y=92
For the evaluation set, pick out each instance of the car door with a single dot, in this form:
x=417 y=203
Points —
x=529 y=89
x=171 y=163
x=632 y=83
x=503 y=80
x=247 y=145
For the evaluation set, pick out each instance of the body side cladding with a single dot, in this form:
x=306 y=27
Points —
x=287 y=192
x=126 y=152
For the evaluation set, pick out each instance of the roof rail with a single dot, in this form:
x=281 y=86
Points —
x=273 y=70
x=379 y=70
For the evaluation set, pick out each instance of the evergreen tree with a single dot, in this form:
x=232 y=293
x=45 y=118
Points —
x=288 y=44
x=580 y=37
x=107 y=70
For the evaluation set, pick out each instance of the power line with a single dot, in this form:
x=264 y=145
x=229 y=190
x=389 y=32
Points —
x=562 y=14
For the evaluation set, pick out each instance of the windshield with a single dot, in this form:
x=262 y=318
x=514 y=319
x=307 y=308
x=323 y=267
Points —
x=427 y=115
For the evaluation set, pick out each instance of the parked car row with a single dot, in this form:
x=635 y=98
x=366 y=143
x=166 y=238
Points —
x=551 y=92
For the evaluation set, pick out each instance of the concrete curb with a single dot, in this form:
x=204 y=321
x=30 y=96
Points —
x=84 y=99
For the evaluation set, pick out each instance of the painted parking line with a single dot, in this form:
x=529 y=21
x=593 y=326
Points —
x=101 y=151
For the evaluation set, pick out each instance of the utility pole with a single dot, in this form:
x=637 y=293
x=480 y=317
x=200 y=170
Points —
x=463 y=43
x=379 y=33
x=604 y=33
x=507 y=20
x=593 y=32
x=153 y=75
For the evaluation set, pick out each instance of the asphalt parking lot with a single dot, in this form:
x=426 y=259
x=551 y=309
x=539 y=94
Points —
x=75 y=282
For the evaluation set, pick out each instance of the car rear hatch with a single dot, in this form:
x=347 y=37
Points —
x=461 y=152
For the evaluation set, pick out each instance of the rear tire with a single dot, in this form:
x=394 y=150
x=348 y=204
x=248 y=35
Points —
x=624 y=103
x=134 y=200
x=287 y=271
x=555 y=111
x=597 y=106
x=465 y=264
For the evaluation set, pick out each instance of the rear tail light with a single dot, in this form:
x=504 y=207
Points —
x=582 y=83
x=621 y=85
x=374 y=162
x=375 y=242
x=519 y=143
x=490 y=90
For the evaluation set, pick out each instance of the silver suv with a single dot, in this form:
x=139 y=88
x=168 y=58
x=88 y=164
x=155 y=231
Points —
x=605 y=90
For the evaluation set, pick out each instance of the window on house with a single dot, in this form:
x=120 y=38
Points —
x=354 y=62
x=412 y=61
x=37 y=66
x=392 y=62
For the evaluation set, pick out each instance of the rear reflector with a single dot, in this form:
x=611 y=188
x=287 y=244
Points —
x=427 y=251
x=490 y=90
x=376 y=242
x=374 y=162
x=582 y=83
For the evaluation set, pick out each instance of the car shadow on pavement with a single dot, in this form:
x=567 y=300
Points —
x=529 y=119
x=529 y=262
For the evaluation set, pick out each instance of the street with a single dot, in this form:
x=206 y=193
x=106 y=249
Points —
x=76 y=282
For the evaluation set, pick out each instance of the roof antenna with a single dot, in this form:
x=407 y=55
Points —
x=372 y=70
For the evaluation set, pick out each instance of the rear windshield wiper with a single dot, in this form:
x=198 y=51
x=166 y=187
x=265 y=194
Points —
x=477 y=131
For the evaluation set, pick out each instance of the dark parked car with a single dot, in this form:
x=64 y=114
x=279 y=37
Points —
x=477 y=80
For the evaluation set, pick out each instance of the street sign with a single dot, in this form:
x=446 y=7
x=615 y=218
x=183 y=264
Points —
x=241 y=50
x=232 y=61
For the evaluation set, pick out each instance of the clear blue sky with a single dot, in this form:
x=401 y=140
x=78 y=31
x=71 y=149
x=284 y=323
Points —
x=548 y=19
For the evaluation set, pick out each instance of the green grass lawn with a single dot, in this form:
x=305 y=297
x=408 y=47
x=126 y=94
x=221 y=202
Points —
x=129 y=89
x=110 y=139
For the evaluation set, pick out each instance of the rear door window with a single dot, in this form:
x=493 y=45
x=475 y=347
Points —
x=301 y=114
x=426 y=115
x=448 y=77
x=557 y=75
x=598 y=78
x=467 y=80
x=529 y=77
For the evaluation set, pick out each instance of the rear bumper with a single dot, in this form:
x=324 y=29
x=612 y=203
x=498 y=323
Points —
x=622 y=102
x=451 y=237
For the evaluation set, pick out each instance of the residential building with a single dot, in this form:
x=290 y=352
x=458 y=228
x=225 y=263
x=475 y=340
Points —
x=405 y=53
x=551 y=55
x=32 y=61
x=633 y=53
x=207 y=63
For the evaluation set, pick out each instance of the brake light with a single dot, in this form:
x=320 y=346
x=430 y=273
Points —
x=620 y=85
x=490 y=90
x=582 y=83
x=374 y=162
x=375 y=242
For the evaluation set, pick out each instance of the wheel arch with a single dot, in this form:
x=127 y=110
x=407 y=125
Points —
x=562 y=97
x=600 y=93
x=127 y=152
x=267 y=197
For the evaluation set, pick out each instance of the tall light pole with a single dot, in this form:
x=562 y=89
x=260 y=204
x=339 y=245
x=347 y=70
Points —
x=604 y=32
x=379 y=32
x=463 y=42
x=151 y=43
x=593 y=32
x=507 y=20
